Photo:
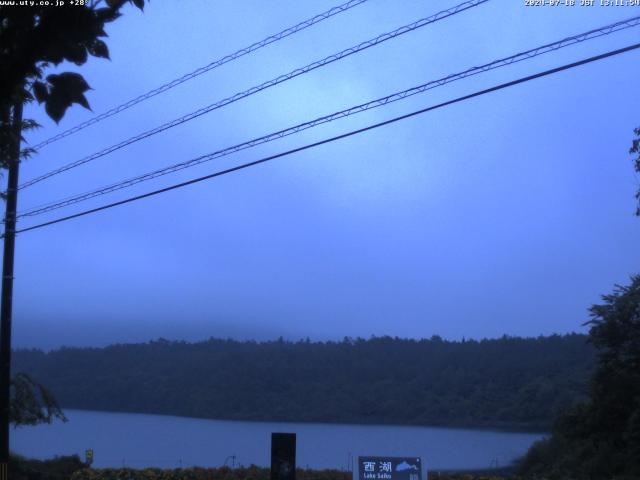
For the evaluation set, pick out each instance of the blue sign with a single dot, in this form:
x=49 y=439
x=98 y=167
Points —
x=389 y=468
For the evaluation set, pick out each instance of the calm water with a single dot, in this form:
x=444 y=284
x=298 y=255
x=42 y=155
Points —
x=137 y=440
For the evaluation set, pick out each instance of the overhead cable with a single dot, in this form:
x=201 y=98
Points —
x=276 y=81
x=215 y=64
x=550 y=47
x=335 y=138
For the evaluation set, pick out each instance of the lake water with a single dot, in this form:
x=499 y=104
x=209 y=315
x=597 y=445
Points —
x=137 y=440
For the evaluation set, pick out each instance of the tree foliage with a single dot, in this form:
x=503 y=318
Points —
x=57 y=468
x=635 y=150
x=507 y=382
x=600 y=438
x=31 y=403
x=34 y=38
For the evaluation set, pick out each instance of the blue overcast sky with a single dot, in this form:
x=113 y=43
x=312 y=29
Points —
x=506 y=214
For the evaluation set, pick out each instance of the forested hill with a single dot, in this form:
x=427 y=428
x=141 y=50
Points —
x=505 y=383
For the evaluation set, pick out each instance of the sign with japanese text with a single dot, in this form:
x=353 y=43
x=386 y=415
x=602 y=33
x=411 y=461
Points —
x=389 y=468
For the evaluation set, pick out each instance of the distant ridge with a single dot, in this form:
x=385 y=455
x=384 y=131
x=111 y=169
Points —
x=510 y=382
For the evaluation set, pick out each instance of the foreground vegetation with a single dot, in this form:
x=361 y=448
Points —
x=59 y=468
x=251 y=473
x=71 y=468
x=519 y=383
x=600 y=438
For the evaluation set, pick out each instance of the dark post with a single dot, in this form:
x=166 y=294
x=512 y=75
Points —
x=283 y=456
x=7 y=287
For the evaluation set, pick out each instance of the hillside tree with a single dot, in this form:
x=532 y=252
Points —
x=635 y=150
x=600 y=438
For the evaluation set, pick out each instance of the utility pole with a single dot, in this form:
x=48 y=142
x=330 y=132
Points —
x=6 y=308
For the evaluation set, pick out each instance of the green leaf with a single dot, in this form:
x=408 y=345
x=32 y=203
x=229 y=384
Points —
x=30 y=124
x=98 y=48
x=115 y=4
x=66 y=89
x=107 y=15
x=31 y=403
x=40 y=91
x=82 y=100
x=27 y=153
x=56 y=107
x=54 y=53
x=75 y=53
x=69 y=81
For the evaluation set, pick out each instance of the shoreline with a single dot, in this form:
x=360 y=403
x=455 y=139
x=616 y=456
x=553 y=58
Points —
x=488 y=428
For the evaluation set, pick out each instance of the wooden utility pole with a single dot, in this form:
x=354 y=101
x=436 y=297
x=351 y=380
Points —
x=6 y=308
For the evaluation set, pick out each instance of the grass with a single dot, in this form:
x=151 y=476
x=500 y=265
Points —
x=71 y=468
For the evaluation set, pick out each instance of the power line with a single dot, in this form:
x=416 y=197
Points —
x=215 y=64
x=276 y=81
x=550 y=47
x=337 y=137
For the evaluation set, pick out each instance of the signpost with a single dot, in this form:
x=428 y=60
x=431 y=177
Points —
x=389 y=468
x=283 y=456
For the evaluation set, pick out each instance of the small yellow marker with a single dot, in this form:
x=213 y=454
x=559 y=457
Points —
x=88 y=456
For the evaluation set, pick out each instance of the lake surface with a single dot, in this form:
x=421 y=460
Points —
x=138 y=440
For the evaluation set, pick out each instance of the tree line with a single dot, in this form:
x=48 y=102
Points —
x=510 y=382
